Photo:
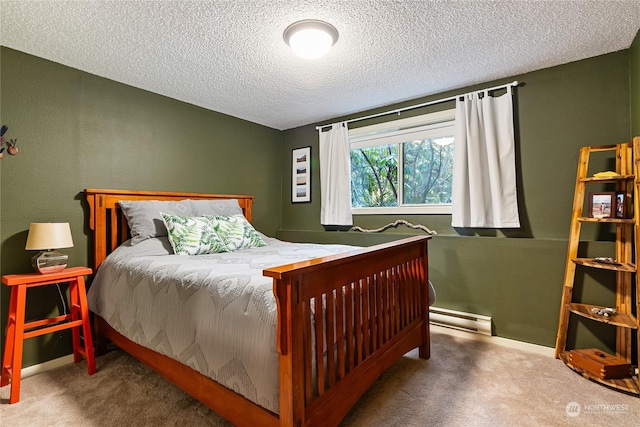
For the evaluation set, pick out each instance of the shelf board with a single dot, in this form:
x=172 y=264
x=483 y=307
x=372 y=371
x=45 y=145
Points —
x=614 y=220
x=628 y=385
x=608 y=179
x=618 y=319
x=590 y=262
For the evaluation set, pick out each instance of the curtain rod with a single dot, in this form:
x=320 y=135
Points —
x=412 y=107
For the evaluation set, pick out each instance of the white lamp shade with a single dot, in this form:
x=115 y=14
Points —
x=310 y=38
x=49 y=235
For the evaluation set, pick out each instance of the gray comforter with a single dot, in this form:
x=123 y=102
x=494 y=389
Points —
x=214 y=313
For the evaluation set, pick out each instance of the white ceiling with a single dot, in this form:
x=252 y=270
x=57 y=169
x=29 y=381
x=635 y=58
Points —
x=229 y=56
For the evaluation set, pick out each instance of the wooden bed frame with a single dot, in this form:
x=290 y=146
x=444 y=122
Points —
x=373 y=300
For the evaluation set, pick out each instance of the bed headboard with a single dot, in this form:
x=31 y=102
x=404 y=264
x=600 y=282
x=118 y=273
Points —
x=109 y=224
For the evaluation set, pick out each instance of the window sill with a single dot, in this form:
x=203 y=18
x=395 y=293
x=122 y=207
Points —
x=405 y=210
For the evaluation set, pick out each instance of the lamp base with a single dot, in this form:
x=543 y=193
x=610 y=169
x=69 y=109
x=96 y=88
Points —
x=51 y=261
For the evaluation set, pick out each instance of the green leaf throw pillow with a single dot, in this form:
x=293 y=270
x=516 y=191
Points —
x=236 y=232
x=192 y=235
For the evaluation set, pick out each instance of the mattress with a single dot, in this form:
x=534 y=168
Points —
x=214 y=313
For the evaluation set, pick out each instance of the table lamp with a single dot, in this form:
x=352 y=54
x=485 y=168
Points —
x=48 y=237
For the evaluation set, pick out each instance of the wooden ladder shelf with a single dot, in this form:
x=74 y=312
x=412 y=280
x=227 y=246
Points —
x=625 y=318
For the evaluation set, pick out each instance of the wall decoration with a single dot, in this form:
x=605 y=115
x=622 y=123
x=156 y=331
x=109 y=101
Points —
x=10 y=145
x=396 y=223
x=301 y=175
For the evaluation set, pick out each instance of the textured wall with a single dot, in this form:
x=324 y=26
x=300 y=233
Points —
x=515 y=276
x=76 y=131
x=634 y=70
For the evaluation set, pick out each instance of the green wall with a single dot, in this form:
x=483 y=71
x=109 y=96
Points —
x=634 y=73
x=515 y=276
x=76 y=130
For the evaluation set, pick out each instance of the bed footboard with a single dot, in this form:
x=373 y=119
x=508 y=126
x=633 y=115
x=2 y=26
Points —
x=342 y=321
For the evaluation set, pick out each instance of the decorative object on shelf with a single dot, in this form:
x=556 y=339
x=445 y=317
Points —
x=301 y=175
x=395 y=224
x=606 y=260
x=10 y=145
x=48 y=237
x=621 y=205
x=600 y=364
x=606 y=312
x=310 y=38
x=602 y=205
x=605 y=174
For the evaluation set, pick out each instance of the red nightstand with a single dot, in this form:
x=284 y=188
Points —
x=18 y=330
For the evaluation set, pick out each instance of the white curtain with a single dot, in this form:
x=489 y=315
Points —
x=484 y=171
x=335 y=176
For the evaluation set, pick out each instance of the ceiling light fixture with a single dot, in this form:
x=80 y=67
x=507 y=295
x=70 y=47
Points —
x=310 y=38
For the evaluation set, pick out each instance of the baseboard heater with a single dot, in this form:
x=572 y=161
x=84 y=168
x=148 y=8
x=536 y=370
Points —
x=459 y=320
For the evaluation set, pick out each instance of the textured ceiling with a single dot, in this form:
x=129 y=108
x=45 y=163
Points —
x=229 y=56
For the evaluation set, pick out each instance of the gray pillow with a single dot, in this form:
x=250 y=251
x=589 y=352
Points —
x=216 y=207
x=144 y=217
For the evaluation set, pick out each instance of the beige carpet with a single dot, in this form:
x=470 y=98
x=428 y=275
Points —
x=465 y=383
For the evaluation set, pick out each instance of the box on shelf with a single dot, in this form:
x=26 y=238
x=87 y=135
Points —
x=600 y=364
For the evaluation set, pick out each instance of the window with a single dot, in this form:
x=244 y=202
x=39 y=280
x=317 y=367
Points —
x=403 y=166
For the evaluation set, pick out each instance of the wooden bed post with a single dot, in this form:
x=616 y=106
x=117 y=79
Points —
x=424 y=351
x=97 y=223
x=289 y=338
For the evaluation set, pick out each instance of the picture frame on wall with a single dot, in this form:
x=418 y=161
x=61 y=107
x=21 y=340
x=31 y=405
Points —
x=301 y=175
x=602 y=205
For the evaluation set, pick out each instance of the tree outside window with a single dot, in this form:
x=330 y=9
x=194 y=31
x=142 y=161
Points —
x=403 y=168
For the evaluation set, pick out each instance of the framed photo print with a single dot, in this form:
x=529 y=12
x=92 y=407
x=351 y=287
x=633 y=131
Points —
x=621 y=205
x=301 y=175
x=602 y=205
